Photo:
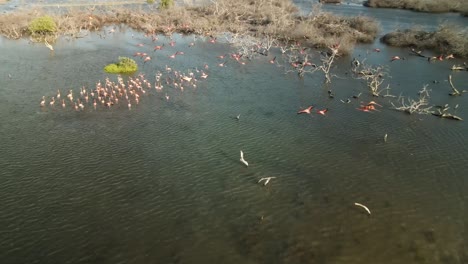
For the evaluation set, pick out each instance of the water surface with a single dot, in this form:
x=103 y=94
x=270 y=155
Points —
x=162 y=183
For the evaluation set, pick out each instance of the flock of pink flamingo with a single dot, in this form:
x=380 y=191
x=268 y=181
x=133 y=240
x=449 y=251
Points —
x=109 y=93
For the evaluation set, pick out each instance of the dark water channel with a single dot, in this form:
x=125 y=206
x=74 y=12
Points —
x=162 y=182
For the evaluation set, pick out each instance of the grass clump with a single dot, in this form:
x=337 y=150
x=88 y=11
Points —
x=150 y=1
x=446 y=40
x=125 y=65
x=431 y=6
x=164 y=4
x=42 y=25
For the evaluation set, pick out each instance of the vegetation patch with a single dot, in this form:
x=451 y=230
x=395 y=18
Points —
x=125 y=65
x=432 y=6
x=446 y=40
x=42 y=25
x=164 y=4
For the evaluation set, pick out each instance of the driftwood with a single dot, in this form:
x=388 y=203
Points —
x=418 y=53
x=442 y=113
x=464 y=67
x=447 y=115
x=455 y=91
x=411 y=106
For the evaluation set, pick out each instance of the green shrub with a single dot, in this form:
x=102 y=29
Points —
x=42 y=25
x=125 y=65
x=150 y=1
x=166 y=4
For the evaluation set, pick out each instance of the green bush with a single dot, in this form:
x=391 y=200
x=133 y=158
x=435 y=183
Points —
x=125 y=65
x=166 y=4
x=42 y=25
x=150 y=1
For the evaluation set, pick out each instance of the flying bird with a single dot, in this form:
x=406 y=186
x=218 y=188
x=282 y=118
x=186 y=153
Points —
x=242 y=159
x=363 y=206
x=266 y=179
x=305 y=111
x=322 y=112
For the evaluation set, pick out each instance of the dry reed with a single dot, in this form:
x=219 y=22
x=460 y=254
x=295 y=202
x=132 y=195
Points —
x=445 y=40
x=274 y=18
x=432 y=6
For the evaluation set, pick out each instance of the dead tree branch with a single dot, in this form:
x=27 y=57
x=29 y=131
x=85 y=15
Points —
x=374 y=76
x=455 y=91
x=411 y=106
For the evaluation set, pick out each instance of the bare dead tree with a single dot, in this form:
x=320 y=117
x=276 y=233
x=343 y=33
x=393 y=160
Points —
x=249 y=46
x=374 y=76
x=300 y=61
x=411 y=106
x=327 y=63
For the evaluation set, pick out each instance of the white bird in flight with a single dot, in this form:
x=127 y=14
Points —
x=363 y=206
x=266 y=179
x=242 y=159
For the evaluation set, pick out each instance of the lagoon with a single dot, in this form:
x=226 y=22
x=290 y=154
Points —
x=162 y=182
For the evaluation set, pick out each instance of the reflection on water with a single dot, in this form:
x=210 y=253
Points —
x=162 y=183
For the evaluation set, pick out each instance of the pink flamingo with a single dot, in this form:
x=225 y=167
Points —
x=322 y=112
x=158 y=47
x=272 y=61
x=305 y=111
x=394 y=58
x=364 y=109
x=373 y=103
x=222 y=64
x=42 y=101
x=148 y=58
x=140 y=45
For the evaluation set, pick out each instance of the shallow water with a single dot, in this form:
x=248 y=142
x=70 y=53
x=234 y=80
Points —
x=162 y=183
